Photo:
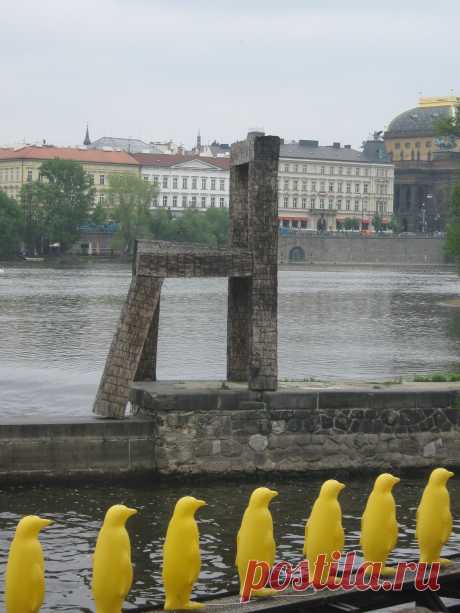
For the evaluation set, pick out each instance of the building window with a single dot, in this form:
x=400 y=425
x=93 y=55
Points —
x=286 y=185
x=331 y=187
x=356 y=205
x=340 y=170
x=322 y=170
x=348 y=188
x=156 y=180
x=184 y=182
x=213 y=184
x=321 y=203
x=296 y=168
x=296 y=183
x=312 y=202
x=304 y=186
x=294 y=203
x=101 y=199
x=222 y=203
x=357 y=188
x=304 y=168
x=339 y=187
x=165 y=182
x=331 y=203
x=313 y=186
x=304 y=203
x=357 y=171
x=184 y=202
x=91 y=178
x=203 y=202
x=213 y=202
x=165 y=201
x=322 y=186
x=174 y=182
x=175 y=201
x=102 y=180
x=193 y=203
x=203 y=182
x=194 y=183
x=348 y=170
x=417 y=145
x=222 y=184
x=428 y=144
x=366 y=172
x=407 y=145
x=348 y=204
x=366 y=188
x=29 y=175
x=397 y=145
x=286 y=202
x=286 y=168
x=339 y=203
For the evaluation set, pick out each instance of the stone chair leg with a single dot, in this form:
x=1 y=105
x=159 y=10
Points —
x=136 y=321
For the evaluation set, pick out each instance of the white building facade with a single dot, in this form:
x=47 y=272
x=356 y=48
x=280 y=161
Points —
x=320 y=187
x=187 y=182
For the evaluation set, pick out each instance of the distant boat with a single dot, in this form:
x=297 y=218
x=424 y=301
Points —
x=34 y=259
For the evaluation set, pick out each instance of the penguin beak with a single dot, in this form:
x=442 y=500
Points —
x=450 y=473
x=201 y=503
x=341 y=486
x=130 y=512
x=396 y=480
x=274 y=493
x=45 y=523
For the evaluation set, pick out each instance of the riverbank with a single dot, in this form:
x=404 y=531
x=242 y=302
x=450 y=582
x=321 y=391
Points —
x=210 y=428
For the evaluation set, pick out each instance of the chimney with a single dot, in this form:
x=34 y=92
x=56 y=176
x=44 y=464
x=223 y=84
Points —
x=347 y=146
x=308 y=143
x=336 y=145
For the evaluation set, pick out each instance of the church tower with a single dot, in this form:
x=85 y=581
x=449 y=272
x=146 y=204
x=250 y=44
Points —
x=87 y=140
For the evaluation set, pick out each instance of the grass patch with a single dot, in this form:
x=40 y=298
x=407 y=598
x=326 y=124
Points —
x=437 y=377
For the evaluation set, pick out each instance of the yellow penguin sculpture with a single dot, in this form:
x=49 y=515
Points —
x=112 y=569
x=181 y=555
x=323 y=530
x=255 y=540
x=379 y=528
x=25 y=571
x=434 y=519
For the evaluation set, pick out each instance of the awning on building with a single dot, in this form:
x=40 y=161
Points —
x=385 y=220
x=365 y=220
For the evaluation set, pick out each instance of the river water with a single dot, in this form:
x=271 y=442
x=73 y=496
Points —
x=56 y=325
x=55 y=328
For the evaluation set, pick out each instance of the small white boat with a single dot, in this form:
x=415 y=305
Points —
x=34 y=259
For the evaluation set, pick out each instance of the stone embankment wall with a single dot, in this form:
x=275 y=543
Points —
x=227 y=432
x=355 y=249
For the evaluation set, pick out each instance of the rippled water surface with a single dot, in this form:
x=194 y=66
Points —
x=68 y=544
x=56 y=325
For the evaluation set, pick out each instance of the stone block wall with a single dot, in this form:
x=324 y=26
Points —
x=226 y=433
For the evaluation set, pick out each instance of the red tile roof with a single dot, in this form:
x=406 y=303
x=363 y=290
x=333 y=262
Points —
x=68 y=153
x=166 y=159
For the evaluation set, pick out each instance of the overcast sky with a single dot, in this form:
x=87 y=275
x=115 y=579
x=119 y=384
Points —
x=332 y=70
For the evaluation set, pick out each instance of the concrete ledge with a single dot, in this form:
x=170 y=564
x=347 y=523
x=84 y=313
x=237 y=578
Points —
x=62 y=447
x=214 y=428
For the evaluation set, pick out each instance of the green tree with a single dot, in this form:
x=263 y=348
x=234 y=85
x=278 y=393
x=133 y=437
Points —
x=351 y=223
x=450 y=125
x=130 y=198
x=394 y=224
x=57 y=204
x=11 y=226
x=452 y=245
x=377 y=222
x=99 y=214
x=218 y=220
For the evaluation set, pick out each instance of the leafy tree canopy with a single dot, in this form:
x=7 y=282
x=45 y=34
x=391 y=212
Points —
x=449 y=126
x=452 y=244
x=11 y=226
x=209 y=227
x=59 y=202
x=130 y=199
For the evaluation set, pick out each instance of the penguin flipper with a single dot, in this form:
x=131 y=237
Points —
x=37 y=587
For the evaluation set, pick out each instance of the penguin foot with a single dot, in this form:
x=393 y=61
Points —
x=264 y=592
x=175 y=606
x=445 y=561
